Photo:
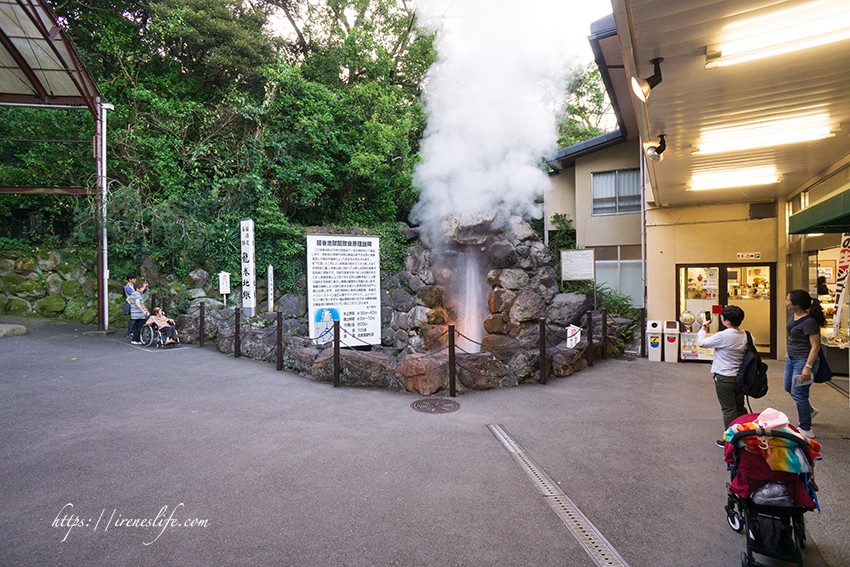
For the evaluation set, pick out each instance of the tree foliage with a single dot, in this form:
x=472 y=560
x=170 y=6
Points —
x=586 y=107
x=217 y=119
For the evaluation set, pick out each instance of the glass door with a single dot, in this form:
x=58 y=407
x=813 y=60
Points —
x=704 y=288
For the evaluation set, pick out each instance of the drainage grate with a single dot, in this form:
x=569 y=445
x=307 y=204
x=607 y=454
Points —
x=504 y=438
x=593 y=542
x=585 y=532
x=435 y=405
x=541 y=480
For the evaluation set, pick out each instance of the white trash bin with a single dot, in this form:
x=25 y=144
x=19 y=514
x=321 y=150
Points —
x=654 y=337
x=671 y=341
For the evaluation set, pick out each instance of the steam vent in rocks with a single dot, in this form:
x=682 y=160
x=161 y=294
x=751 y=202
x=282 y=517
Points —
x=489 y=275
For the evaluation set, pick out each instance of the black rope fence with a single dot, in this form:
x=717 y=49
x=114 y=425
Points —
x=560 y=333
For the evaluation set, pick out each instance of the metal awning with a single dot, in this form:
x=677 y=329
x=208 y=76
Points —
x=39 y=65
x=831 y=214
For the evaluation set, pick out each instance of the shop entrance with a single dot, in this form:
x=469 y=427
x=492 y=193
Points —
x=701 y=287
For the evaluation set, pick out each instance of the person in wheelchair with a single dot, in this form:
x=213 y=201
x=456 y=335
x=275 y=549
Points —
x=160 y=321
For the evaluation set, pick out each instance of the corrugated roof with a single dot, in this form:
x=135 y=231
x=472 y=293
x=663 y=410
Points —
x=39 y=65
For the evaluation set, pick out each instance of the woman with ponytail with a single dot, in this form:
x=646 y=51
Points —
x=804 y=326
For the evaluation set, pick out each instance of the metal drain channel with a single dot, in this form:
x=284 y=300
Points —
x=593 y=542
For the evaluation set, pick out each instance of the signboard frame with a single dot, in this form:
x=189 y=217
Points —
x=344 y=284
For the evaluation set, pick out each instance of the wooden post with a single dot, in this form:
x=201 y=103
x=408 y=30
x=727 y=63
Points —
x=336 y=353
x=237 y=337
x=590 y=339
x=280 y=340
x=452 y=388
x=543 y=374
x=201 y=325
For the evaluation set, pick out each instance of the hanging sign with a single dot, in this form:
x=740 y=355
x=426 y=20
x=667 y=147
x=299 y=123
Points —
x=841 y=280
x=344 y=284
x=249 y=284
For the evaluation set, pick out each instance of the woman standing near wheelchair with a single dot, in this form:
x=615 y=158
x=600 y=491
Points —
x=138 y=311
x=164 y=324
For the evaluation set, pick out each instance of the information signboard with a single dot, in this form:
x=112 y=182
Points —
x=578 y=265
x=344 y=284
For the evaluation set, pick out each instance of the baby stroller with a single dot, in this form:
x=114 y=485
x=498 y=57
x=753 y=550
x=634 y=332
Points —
x=768 y=504
x=151 y=335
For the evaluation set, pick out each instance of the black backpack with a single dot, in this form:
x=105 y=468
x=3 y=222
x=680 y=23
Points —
x=752 y=374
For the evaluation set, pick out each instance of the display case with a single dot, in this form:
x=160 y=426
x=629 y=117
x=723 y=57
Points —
x=834 y=342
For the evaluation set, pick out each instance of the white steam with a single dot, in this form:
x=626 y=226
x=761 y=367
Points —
x=490 y=101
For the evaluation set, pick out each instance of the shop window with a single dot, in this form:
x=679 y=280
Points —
x=616 y=192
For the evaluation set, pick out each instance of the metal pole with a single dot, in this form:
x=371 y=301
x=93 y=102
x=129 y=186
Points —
x=543 y=374
x=590 y=339
x=452 y=385
x=238 y=336
x=280 y=340
x=201 y=326
x=102 y=292
x=604 y=333
x=336 y=353
x=643 y=332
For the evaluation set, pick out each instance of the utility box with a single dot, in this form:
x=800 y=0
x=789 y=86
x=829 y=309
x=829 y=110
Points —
x=671 y=341
x=654 y=333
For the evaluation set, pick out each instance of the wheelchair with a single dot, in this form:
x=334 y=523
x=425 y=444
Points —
x=151 y=335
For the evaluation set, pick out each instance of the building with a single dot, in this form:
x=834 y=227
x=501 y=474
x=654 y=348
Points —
x=752 y=191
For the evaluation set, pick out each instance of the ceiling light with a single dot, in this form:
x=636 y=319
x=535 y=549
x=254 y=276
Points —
x=642 y=87
x=801 y=128
x=810 y=28
x=733 y=178
x=655 y=149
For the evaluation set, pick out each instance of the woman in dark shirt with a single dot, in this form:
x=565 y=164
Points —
x=803 y=346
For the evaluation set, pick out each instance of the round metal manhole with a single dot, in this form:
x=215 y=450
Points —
x=435 y=405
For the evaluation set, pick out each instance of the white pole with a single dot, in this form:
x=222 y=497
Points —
x=102 y=179
x=270 y=277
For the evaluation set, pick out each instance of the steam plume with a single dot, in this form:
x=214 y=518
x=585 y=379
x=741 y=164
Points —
x=490 y=99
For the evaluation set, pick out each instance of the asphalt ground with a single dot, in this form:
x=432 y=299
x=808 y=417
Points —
x=275 y=469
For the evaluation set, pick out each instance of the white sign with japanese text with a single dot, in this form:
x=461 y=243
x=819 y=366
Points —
x=578 y=265
x=344 y=284
x=249 y=284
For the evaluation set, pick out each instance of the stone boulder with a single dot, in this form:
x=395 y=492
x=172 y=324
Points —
x=500 y=300
x=528 y=306
x=70 y=271
x=151 y=270
x=481 y=371
x=525 y=366
x=198 y=277
x=299 y=354
x=502 y=254
x=402 y=300
x=509 y=279
x=259 y=344
x=47 y=260
x=50 y=306
x=292 y=305
x=423 y=374
x=17 y=306
x=71 y=289
x=433 y=337
x=7 y=266
x=430 y=296
x=358 y=368
x=568 y=309
x=11 y=330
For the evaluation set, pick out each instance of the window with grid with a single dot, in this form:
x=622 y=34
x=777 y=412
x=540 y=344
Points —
x=616 y=192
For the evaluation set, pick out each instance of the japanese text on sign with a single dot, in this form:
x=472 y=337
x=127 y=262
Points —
x=249 y=285
x=343 y=283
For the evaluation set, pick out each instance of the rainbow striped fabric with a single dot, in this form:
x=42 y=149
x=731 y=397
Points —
x=779 y=454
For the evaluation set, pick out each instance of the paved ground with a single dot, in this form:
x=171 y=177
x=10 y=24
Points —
x=286 y=471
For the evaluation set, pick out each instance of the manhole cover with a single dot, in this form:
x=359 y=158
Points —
x=435 y=405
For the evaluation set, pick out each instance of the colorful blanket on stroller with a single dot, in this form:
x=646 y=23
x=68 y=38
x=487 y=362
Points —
x=780 y=454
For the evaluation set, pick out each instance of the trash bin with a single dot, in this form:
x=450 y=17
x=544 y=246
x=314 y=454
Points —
x=653 y=340
x=671 y=341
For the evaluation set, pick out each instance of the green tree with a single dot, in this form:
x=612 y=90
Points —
x=586 y=107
